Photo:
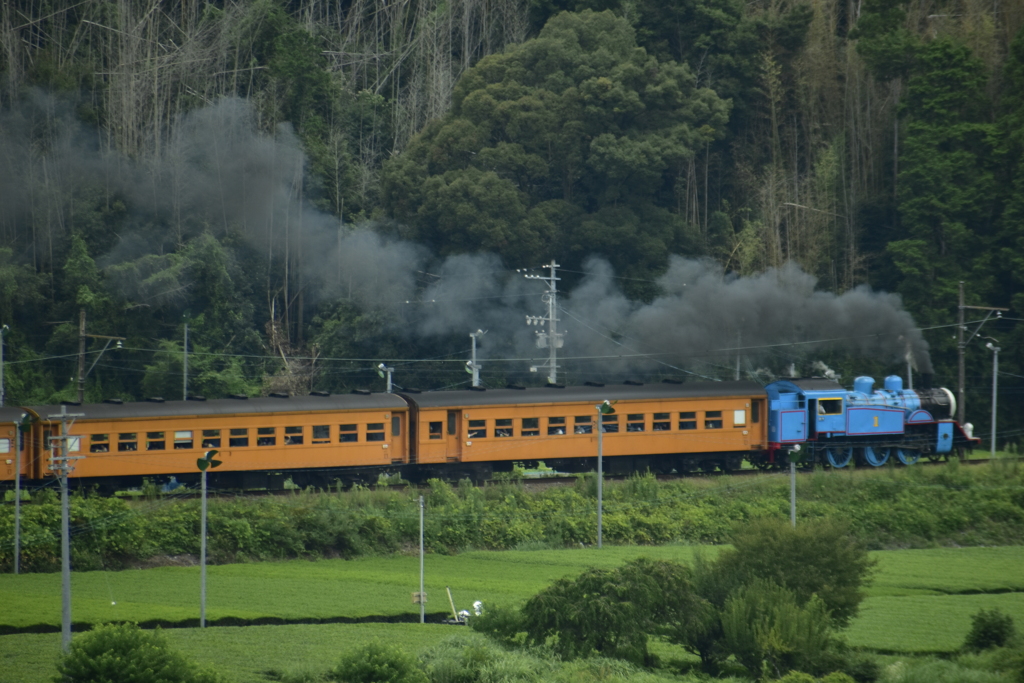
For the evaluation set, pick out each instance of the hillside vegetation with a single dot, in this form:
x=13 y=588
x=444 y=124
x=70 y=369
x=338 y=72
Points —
x=313 y=187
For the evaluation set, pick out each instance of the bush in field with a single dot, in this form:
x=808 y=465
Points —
x=467 y=659
x=124 y=653
x=608 y=612
x=503 y=624
x=770 y=633
x=378 y=662
x=989 y=628
x=818 y=557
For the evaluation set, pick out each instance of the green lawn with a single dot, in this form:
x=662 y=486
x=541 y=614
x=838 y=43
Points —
x=920 y=601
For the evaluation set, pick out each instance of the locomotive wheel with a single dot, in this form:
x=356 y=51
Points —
x=907 y=456
x=876 y=457
x=839 y=457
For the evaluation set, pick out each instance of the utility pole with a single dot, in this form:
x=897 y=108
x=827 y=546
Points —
x=19 y=440
x=81 y=355
x=184 y=381
x=472 y=366
x=61 y=465
x=552 y=339
x=82 y=372
x=422 y=596
x=961 y=345
x=995 y=389
x=604 y=408
x=3 y=331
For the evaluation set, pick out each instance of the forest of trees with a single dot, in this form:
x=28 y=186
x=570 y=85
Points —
x=313 y=186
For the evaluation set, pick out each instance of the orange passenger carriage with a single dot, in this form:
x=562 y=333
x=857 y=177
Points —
x=261 y=441
x=661 y=427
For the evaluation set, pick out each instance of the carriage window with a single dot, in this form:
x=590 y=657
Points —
x=155 y=441
x=662 y=422
x=478 y=429
x=583 y=424
x=74 y=444
x=830 y=406
x=99 y=443
x=739 y=418
x=755 y=412
x=434 y=430
x=292 y=436
x=396 y=425
x=688 y=420
x=5 y=445
x=713 y=419
x=211 y=438
x=503 y=428
x=348 y=433
x=183 y=440
x=635 y=422
x=127 y=442
x=610 y=424
x=531 y=426
x=321 y=433
x=375 y=431
x=238 y=438
x=266 y=436
x=556 y=425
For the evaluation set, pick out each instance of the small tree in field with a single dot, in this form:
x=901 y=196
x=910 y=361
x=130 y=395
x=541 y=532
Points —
x=816 y=558
x=124 y=653
x=608 y=612
x=989 y=628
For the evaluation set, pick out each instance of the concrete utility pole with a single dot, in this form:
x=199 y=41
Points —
x=961 y=345
x=184 y=380
x=995 y=390
x=61 y=466
x=604 y=408
x=81 y=356
x=472 y=365
x=3 y=331
x=552 y=339
x=82 y=372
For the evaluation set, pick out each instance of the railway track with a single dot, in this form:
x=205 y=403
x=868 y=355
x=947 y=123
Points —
x=539 y=483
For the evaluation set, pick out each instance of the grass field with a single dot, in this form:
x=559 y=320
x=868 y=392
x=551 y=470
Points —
x=299 y=589
x=920 y=601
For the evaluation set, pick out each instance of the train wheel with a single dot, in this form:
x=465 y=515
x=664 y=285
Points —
x=876 y=457
x=839 y=457
x=907 y=456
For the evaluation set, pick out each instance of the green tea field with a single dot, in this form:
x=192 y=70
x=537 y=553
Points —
x=920 y=601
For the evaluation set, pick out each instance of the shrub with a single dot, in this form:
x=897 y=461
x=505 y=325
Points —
x=378 y=662
x=818 y=557
x=124 y=653
x=768 y=631
x=608 y=612
x=989 y=628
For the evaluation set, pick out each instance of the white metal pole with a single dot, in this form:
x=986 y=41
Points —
x=553 y=326
x=64 y=467
x=792 y=492
x=423 y=606
x=202 y=559
x=17 y=497
x=995 y=387
x=600 y=472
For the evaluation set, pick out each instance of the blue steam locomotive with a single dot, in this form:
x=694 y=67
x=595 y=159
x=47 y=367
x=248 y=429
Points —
x=818 y=421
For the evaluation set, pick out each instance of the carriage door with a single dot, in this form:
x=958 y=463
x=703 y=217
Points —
x=454 y=452
x=398 y=438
